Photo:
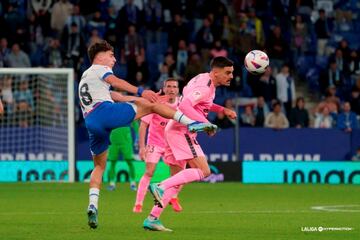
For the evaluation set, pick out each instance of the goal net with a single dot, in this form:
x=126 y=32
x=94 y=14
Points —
x=37 y=126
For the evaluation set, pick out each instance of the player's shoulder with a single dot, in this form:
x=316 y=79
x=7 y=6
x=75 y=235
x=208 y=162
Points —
x=201 y=80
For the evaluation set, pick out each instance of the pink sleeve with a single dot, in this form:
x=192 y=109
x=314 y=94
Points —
x=186 y=107
x=216 y=108
x=147 y=119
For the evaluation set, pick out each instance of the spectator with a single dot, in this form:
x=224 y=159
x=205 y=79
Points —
x=277 y=48
x=347 y=120
x=181 y=58
x=323 y=119
x=129 y=15
x=178 y=31
x=243 y=43
x=110 y=35
x=98 y=24
x=356 y=157
x=323 y=31
x=164 y=74
x=285 y=88
x=222 y=121
x=276 y=119
x=300 y=38
x=23 y=114
x=255 y=27
x=153 y=20
x=52 y=54
x=77 y=18
x=218 y=50
x=205 y=36
x=261 y=111
x=94 y=37
x=137 y=69
x=7 y=94
x=299 y=117
x=345 y=49
x=354 y=64
x=247 y=118
x=170 y=62
x=133 y=46
x=17 y=57
x=227 y=32
x=4 y=51
x=340 y=60
x=24 y=94
x=13 y=21
x=355 y=100
x=193 y=68
x=73 y=45
x=59 y=14
x=265 y=86
x=331 y=77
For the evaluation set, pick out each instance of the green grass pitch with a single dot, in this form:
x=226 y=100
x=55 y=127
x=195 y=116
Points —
x=211 y=211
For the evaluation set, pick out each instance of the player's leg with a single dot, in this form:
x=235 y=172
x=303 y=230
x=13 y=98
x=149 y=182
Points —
x=144 y=107
x=114 y=151
x=95 y=184
x=152 y=222
x=185 y=148
x=143 y=186
x=152 y=157
x=174 y=201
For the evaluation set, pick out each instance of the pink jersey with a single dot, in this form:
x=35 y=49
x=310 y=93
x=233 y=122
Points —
x=157 y=126
x=201 y=93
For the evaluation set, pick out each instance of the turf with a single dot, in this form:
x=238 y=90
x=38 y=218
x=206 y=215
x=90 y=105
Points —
x=211 y=211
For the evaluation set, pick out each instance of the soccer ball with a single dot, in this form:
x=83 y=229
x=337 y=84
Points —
x=256 y=62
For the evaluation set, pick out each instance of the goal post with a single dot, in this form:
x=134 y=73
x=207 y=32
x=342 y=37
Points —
x=37 y=128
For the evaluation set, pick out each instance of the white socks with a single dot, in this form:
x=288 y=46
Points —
x=94 y=196
x=181 y=118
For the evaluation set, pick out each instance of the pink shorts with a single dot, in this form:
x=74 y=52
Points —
x=183 y=145
x=153 y=153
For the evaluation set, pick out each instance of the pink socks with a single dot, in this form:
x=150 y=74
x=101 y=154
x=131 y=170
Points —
x=142 y=189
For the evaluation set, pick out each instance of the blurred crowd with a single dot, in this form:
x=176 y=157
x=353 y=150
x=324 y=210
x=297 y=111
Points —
x=312 y=43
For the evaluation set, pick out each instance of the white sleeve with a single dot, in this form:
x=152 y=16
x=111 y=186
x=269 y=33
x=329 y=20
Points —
x=103 y=72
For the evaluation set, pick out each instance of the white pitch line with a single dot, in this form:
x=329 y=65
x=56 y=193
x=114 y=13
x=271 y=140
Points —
x=249 y=211
x=337 y=208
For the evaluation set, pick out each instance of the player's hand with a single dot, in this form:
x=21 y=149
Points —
x=230 y=113
x=142 y=153
x=211 y=133
x=150 y=95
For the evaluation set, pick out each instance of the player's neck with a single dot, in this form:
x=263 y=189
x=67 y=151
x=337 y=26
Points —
x=171 y=100
x=213 y=79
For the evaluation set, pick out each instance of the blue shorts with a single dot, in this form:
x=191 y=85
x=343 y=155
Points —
x=104 y=118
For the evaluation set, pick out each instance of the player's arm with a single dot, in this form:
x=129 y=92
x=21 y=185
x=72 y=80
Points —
x=142 y=134
x=188 y=103
x=118 y=97
x=227 y=111
x=125 y=86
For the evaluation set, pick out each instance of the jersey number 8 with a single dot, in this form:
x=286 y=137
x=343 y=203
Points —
x=86 y=98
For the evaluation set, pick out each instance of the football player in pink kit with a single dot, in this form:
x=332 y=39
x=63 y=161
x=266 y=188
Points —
x=197 y=101
x=155 y=147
